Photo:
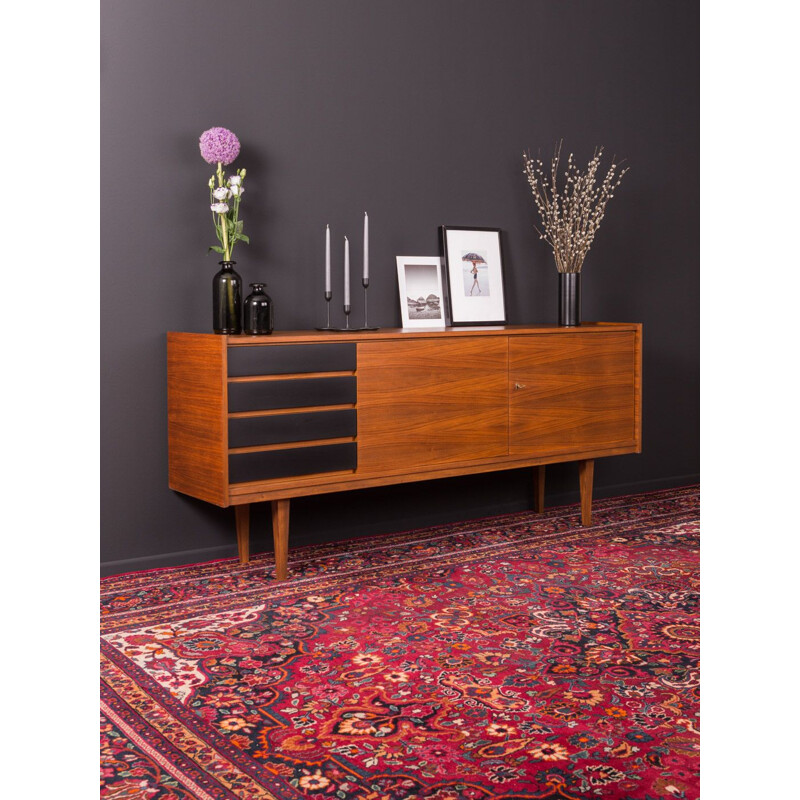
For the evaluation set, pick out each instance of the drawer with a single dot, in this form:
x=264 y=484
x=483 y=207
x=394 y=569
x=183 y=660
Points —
x=281 y=428
x=271 y=464
x=296 y=393
x=291 y=358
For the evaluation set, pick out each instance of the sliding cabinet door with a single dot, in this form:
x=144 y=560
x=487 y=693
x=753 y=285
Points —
x=431 y=402
x=573 y=392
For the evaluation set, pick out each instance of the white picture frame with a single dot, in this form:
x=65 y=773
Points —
x=419 y=282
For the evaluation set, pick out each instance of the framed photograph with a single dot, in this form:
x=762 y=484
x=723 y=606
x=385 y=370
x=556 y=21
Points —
x=473 y=260
x=419 y=279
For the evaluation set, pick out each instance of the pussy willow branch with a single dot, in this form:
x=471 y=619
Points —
x=570 y=216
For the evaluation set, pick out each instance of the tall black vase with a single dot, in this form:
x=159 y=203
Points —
x=227 y=299
x=569 y=298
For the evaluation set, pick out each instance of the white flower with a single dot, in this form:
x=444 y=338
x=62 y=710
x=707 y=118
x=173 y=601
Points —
x=237 y=190
x=235 y=180
x=221 y=193
x=220 y=208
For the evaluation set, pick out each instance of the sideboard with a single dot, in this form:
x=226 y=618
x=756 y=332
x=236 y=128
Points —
x=269 y=418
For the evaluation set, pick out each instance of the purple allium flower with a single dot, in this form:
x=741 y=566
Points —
x=219 y=145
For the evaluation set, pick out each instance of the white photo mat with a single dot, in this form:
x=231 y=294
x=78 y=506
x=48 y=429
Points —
x=419 y=281
x=474 y=264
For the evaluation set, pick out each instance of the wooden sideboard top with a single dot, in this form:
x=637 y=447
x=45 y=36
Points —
x=417 y=333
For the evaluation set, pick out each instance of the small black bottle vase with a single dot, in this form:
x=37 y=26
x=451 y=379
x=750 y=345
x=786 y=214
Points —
x=227 y=299
x=569 y=298
x=258 y=311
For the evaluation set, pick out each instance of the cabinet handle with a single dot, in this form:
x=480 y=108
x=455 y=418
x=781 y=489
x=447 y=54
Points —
x=519 y=386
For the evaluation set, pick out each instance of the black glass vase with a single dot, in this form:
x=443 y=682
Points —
x=569 y=298
x=258 y=318
x=227 y=299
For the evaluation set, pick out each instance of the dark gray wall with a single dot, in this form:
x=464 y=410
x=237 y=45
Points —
x=418 y=112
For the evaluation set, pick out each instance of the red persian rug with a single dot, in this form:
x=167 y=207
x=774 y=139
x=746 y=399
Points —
x=519 y=656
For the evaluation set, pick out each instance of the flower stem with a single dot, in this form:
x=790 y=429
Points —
x=225 y=245
x=222 y=218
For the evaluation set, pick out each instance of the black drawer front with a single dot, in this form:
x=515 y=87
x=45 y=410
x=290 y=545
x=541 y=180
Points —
x=266 y=395
x=243 y=467
x=251 y=431
x=280 y=359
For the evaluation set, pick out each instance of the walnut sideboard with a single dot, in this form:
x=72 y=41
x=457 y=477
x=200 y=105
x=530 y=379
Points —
x=269 y=418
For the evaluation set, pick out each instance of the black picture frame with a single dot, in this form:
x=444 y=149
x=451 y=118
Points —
x=456 y=244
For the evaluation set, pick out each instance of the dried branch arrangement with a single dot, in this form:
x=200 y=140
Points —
x=571 y=215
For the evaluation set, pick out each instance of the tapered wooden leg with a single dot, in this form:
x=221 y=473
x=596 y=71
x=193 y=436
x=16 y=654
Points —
x=280 y=535
x=586 y=472
x=243 y=532
x=538 y=489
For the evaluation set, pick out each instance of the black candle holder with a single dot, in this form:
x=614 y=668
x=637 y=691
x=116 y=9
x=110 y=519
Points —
x=347 y=328
x=327 y=327
x=366 y=326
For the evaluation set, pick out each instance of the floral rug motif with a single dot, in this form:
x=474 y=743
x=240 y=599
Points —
x=517 y=656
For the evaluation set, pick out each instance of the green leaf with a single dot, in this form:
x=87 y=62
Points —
x=239 y=226
x=216 y=249
x=242 y=237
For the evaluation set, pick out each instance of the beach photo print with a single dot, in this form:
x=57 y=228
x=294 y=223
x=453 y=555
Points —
x=474 y=268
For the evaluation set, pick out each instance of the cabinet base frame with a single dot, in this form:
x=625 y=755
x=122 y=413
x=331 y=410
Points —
x=280 y=516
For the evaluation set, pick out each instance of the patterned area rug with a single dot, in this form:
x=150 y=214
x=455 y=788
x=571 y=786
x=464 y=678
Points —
x=518 y=656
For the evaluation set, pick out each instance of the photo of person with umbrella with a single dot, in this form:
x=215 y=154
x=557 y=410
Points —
x=474 y=259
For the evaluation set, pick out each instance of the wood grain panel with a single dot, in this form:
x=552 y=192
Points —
x=197 y=416
x=571 y=393
x=404 y=334
x=431 y=402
